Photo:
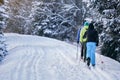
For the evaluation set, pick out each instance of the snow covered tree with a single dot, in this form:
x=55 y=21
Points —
x=54 y=20
x=51 y=18
x=3 y=51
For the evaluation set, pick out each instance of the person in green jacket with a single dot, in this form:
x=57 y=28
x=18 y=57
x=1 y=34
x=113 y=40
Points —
x=83 y=40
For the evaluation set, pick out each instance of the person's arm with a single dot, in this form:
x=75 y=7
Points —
x=81 y=35
x=97 y=39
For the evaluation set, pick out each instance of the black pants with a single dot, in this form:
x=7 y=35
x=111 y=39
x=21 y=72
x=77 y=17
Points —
x=83 y=51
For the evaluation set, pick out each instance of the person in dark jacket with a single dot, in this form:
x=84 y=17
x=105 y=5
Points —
x=92 y=42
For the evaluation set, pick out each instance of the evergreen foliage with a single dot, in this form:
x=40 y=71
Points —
x=54 y=20
x=109 y=27
x=3 y=51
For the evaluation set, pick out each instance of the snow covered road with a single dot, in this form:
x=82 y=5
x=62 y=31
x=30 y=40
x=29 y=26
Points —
x=39 y=58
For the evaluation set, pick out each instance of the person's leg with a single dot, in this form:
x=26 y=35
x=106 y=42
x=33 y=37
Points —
x=93 y=54
x=85 y=48
x=88 y=55
x=82 y=47
x=88 y=49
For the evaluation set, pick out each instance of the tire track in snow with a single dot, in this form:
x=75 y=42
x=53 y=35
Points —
x=22 y=70
x=47 y=63
x=32 y=74
x=36 y=64
x=65 y=57
x=28 y=66
x=62 y=65
x=16 y=75
x=40 y=63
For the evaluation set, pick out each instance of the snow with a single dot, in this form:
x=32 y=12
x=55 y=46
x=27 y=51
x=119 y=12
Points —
x=85 y=0
x=88 y=20
x=47 y=31
x=40 y=58
x=2 y=9
x=68 y=7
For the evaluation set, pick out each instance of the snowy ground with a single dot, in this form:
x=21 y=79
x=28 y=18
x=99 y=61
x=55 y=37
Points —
x=39 y=58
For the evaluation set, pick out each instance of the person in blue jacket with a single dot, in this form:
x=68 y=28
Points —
x=92 y=42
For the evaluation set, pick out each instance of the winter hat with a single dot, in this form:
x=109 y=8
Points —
x=86 y=24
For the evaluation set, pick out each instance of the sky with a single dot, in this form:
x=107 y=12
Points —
x=40 y=58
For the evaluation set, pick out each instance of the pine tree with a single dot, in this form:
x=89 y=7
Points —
x=54 y=20
x=3 y=51
x=108 y=25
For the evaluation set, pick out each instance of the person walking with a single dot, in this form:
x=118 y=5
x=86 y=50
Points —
x=92 y=42
x=83 y=40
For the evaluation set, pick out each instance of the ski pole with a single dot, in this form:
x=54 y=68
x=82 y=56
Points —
x=80 y=53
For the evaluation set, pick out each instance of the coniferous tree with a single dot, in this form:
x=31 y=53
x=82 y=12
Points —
x=54 y=20
x=108 y=25
x=3 y=51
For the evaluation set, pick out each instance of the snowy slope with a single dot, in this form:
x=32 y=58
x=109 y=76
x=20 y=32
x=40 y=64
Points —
x=40 y=58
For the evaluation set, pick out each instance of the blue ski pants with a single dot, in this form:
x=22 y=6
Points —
x=91 y=46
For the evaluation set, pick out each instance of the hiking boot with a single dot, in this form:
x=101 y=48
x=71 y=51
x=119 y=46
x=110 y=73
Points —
x=88 y=61
x=81 y=58
x=93 y=65
x=84 y=60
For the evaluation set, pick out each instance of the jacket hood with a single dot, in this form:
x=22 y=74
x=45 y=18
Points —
x=91 y=26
